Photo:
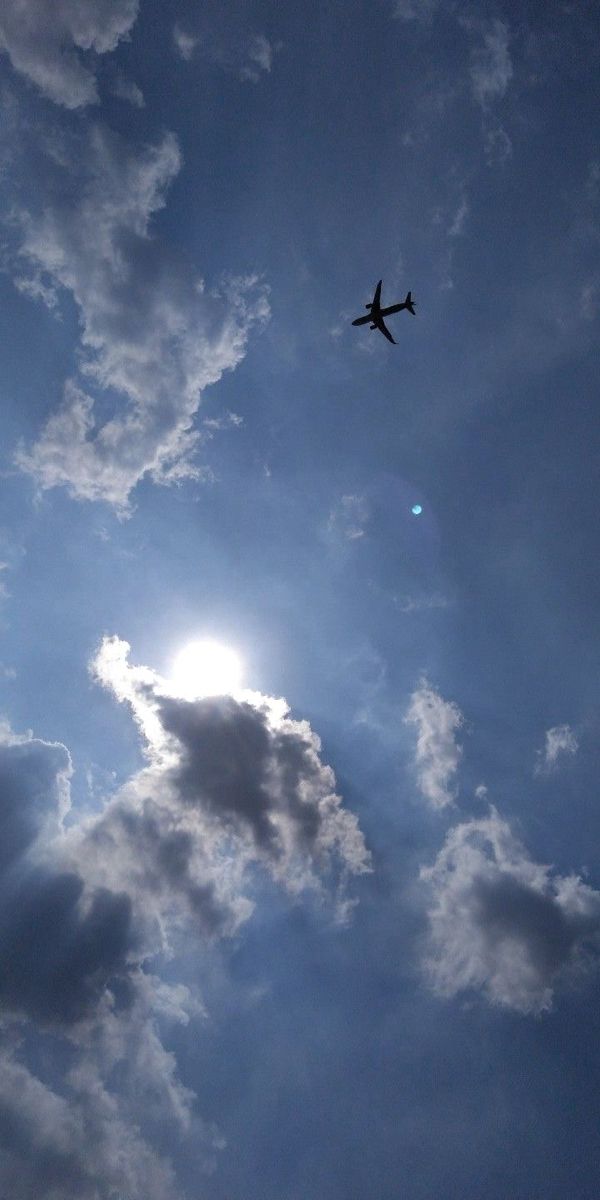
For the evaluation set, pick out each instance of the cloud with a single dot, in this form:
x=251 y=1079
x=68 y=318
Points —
x=560 y=740
x=44 y=42
x=249 y=56
x=151 y=339
x=491 y=64
x=501 y=923
x=235 y=770
x=126 y=89
x=349 y=517
x=259 y=53
x=91 y=907
x=437 y=755
x=74 y=976
x=457 y=226
x=415 y=10
x=184 y=43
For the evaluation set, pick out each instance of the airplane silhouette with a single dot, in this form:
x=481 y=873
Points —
x=377 y=313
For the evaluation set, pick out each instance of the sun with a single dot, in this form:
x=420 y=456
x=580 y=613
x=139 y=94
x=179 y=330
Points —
x=206 y=668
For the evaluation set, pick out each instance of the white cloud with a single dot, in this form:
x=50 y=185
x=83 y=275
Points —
x=497 y=145
x=437 y=755
x=456 y=228
x=45 y=41
x=150 y=336
x=259 y=53
x=491 y=64
x=589 y=298
x=349 y=517
x=415 y=10
x=559 y=740
x=126 y=89
x=501 y=923
x=184 y=43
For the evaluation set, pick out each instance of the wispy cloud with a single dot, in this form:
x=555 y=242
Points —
x=491 y=63
x=248 y=57
x=437 y=754
x=259 y=53
x=415 y=10
x=44 y=40
x=501 y=923
x=149 y=333
x=184 y=43
x=559 y=741
x=126 y=89
x=349 y=516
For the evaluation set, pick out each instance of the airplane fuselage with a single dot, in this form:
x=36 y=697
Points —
x=375 y=313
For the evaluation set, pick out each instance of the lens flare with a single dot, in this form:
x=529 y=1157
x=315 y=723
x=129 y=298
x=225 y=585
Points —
x=416 y=510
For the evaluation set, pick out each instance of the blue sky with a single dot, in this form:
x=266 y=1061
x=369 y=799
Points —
x=345 y=943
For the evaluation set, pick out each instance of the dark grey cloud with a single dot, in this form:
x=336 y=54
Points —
x=239 y=766
x=33 y=786
x=87 y=908
x=502 y=923
x=244 y=771
x=57 y=956
x=73 y=972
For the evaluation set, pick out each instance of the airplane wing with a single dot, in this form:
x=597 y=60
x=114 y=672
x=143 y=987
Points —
x=394 y=308
x=377 y=296
x=386 y=333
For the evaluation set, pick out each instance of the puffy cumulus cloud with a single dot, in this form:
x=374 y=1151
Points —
x=501 y=923
x=152 y=337
x=233 y=772
x=559 y=740
x=90 y=908
x=58 y=944
x=44 y=42
x=102 y=1130
x=437 y=754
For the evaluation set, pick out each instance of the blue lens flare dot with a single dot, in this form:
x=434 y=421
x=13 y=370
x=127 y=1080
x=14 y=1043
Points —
x=416 y=510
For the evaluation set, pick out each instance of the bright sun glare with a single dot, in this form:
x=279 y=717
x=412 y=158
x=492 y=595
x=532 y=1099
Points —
x=206 y=668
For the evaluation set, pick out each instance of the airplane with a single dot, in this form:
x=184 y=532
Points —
x=377 y=313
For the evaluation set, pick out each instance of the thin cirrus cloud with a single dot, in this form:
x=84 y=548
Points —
x=437 y=753
x=491 y=63
x=503 y=924
x=47 y=43
x=249 y=57
x=89 y=907
x=151 y=335
x=184 y=43
x=559 y=741
x=490 y=69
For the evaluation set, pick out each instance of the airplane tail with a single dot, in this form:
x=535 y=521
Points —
x=409 y=303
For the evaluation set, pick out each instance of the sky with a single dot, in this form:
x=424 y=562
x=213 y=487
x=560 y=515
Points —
x=317 y=917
